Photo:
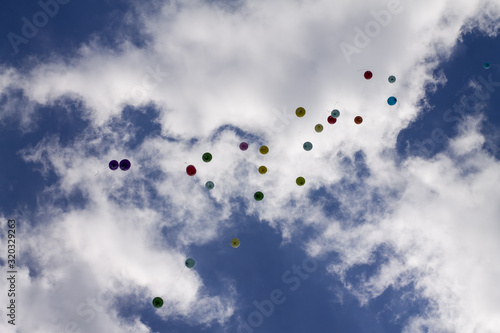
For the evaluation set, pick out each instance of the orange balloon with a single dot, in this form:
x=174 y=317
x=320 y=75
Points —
x=358 y=120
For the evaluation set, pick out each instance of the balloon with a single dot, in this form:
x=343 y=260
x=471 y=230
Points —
x=243 y=146
x=391 y=100
x=318 y=128
x=331 y=120
x=308 y=146
x=258 y=196
x=264 y=150
x=368 y=75
x=392 y=79
x=300 y=181
x=262 y=169
x=207 y=157
x=113 y=164
x=190 y=263
x=358 y=120
x=191 y=170
x=335 y=113
x=210 y=185
x=124 y=164
x=157 y=302
x=486 y=65
x=300 y=112
x=235 y=242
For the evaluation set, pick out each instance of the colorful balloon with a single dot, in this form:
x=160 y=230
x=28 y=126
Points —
x=262 y=169
x=258 y=196
x=486 y=65
x=190 y=263
x=210 y=185
x=264 y=150
x=300 y=112
x=391 y=100
x=308 y=146
x=125 y=164
x=207 y=157
x=191 y=170
x=157 y=302
x=335 y=113
x=331 y=120
x=358 y=120
x=368 y=75
x=235 y=242
x=392 y=79
x=300 y=181
x=113 y=164
x=243 y=146
x=318 y=128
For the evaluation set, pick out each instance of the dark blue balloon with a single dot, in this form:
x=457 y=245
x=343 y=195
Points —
x=125 y=164
x=391 y=100
x=113 y=164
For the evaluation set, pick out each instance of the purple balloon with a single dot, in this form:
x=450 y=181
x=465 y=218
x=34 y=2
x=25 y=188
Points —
x=243 y=146
x=113 y=164
x=125 y=164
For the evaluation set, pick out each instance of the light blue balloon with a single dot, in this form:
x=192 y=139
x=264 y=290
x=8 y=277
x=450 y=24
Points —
x=210 y=185
x=308 y=146
x=190 y=262
x=486 y=65
x=335 y=113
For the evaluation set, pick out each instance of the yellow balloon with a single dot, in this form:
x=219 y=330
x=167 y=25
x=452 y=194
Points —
x=262 y=169
x=235 y=242
x=300 y=181
x=318 y=128
x=264 y=150
x=300 y=112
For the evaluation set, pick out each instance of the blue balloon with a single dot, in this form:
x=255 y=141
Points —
x=308 y=146
x=486 y=65
x=391 y=100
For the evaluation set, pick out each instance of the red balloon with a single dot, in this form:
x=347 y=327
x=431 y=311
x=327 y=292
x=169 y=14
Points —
x=331 y=120
x=368 y=75
x=191 y=170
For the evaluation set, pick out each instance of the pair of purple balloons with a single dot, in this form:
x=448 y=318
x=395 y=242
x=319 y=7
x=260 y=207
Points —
x=124 y=164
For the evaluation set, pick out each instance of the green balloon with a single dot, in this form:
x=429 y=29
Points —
x=190 y=262
x=210 y=185
x=207 y=157
x=157 y=302
x=258 y=196
x=300 y=181
x=308 y=146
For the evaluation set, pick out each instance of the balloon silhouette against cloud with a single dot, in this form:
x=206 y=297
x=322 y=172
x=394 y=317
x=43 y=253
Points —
x=207 y=157
x=331 y=120
x=243 y=146
x=210 y=185
x=125 y=164
x=157 y=302
x=307 y=146
x=335 y=113
x=358 y=120
x=392 y=100
x=300 y=112
x=258 y=196
x=113 y=164
x=264 y=150
x=392 y=79
x=190 y=262
x=368 y=75
x=191 y=170
x=262 y=169
x=318 y=128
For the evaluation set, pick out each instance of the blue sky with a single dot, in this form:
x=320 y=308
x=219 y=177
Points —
x=395 y=230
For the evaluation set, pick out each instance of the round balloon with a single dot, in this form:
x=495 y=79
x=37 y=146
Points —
x=335 y=113
x=308 y=146
x=210 y=185
x=190 y=263
x=264 y=150
x=300 y=181
x=331 y=120
x=487 y=65
x=207 y=157
x=258 y=196
x=125 y=164
x=191 y=170
x=300 y=112
x=262 y=169
x=113 y=164
x=368 y=75
x=157 y=302
x=235 y=242
x=243 y=146
x=392 y=79
x=358 y=120
x=318 y=128
x=391 y=100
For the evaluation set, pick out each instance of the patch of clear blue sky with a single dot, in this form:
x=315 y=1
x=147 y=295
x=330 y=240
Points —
x=448 y=104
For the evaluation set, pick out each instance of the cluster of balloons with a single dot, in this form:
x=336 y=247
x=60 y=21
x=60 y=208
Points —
x=124 y=164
